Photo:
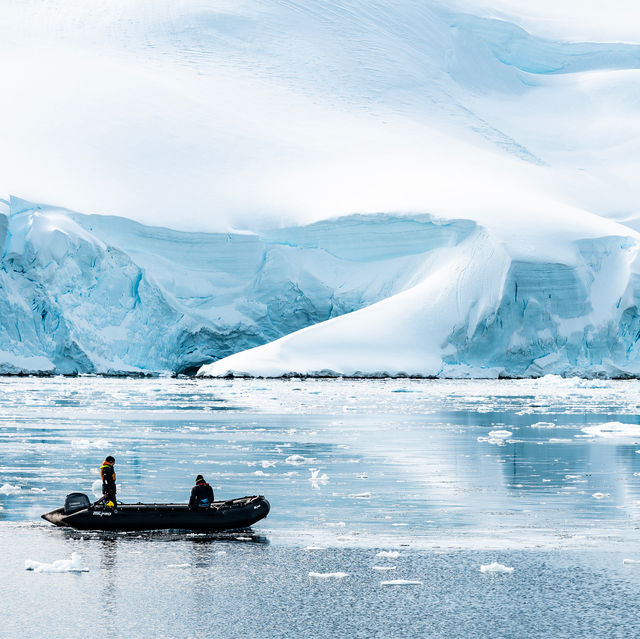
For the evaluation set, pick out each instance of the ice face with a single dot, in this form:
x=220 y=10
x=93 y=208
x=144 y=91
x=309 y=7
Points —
x=359 y=295
x=102 y=294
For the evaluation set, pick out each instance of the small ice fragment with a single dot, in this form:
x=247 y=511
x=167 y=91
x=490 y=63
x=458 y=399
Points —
x=267 y=464
x=260 y=473
x=298 y=460
x=38 y=490
x=314 y=548
x=178 y=565
x=96 y=488
x=496 y=568
x=543 y=425
x=61 y=565
x=328 y=575
x=337 y=524
x=391 y=554
x=600 y=495
x=401 y=582
x=317 y=479
x=242 y=538
x=221 y=552
x=360 y=496
x=9 y=489
x=85 y=444
x=500 y=434
x=383 y=567
x=631 y=561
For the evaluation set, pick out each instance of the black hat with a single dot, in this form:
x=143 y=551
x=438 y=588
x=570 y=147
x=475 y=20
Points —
x=110 y=459
x=199 y=478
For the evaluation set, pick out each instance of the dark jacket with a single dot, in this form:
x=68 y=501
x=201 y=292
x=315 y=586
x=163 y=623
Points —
x=201 y=495
x=108 y=476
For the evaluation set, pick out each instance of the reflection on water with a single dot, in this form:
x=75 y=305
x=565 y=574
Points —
x=451 y=475
x=346 y=462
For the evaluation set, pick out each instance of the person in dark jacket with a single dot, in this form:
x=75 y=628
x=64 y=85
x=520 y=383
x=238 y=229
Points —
x=108 y=476
x=201 y=494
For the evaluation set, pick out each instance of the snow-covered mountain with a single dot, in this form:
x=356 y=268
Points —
x=435 y=188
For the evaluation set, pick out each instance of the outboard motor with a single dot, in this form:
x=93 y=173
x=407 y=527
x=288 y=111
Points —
x=75 y=502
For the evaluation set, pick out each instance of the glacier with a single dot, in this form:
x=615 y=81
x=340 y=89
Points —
x=361 y=295
x=272 y=187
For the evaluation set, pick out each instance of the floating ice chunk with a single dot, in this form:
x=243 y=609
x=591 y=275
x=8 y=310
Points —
x=631 y=561
x=61 y=565
x=221 y=552
x=360 y=496
x=600 y=495
x=267 y=464
x=96 y=488
x=496 y=569
x=328 y=575
x=298 y=460
x=38 y=490
x=383 y=567
x=84 y=444
x=337 y=524
x=613 y=430
x=314 y=548
x=317 y=479
x=9 y=489
x=543 y=425
x=401 y=582
x=178 y=565
x=391 y=554
x=260 y=473
x=500 y=434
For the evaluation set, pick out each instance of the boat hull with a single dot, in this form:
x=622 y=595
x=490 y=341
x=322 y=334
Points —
x=226 y=515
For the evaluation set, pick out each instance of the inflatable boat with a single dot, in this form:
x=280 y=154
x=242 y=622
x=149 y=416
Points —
x=78 y=512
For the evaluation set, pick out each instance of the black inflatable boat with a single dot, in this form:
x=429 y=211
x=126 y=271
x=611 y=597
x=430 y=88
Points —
x=78 y=512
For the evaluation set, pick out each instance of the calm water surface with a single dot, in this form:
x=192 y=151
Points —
x=542 y=476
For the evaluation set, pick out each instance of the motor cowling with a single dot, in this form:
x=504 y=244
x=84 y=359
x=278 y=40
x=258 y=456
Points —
x=75 y=502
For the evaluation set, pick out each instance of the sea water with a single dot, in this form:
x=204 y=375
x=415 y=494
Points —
x=387 y=497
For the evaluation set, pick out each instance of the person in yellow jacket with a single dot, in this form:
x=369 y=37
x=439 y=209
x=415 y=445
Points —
x=108 y=476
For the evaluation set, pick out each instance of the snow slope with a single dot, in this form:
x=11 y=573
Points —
x=483 y=309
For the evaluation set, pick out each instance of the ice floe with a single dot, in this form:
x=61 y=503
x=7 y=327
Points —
x=631 y=561
x=401 y=582
x=496 y=569
x=328 y=575
x=613 y=430
x=61 y=565
x=9 y=489
x=383 y=567
x=390 y=554
x=600 y=495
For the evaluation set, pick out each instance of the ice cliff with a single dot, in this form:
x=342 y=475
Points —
x=357 y=295
x=82 y=293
